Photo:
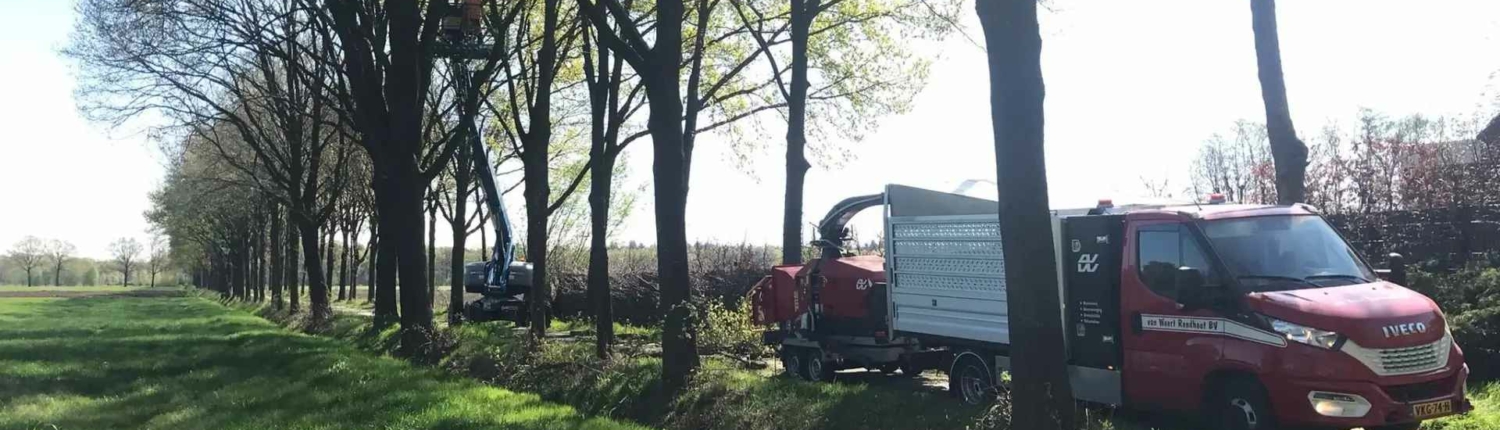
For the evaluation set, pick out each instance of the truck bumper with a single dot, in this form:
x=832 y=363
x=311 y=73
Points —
x=1294 y=400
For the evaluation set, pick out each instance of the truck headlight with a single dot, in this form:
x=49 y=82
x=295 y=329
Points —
x=1306 y=335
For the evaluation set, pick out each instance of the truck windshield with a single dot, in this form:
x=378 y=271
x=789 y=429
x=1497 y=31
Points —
x=1284 y=252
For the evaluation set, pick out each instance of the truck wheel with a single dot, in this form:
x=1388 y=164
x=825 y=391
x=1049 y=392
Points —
x=970 y=381
x=1241 y=405
x=817 y=370
x=791 y=363
x=889 y=368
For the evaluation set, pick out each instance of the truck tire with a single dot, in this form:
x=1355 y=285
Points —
x=815 y=369
x=1240 y=404
x=791 y=362
x=969 y=380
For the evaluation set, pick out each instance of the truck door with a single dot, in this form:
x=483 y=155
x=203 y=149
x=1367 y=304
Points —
x=1093 y=289
x=1092 y=248
x=1168 y=351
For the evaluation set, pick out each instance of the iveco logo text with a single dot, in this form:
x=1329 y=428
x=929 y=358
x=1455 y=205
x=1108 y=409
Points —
x=1404 y=329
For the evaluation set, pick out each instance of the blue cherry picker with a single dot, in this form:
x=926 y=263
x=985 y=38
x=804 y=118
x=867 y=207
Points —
x=501 y=281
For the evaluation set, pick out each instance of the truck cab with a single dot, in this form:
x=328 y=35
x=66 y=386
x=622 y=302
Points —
x=1263 y=315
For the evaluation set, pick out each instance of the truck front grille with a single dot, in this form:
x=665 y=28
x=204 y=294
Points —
x=1404 y=360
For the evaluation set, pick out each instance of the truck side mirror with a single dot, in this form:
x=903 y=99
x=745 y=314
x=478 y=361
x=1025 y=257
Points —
x=1190 y=290
x=1395 y=271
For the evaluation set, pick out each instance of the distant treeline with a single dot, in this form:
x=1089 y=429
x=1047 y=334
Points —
x=79 y=272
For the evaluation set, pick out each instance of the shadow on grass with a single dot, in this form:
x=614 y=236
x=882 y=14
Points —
x=186 y=363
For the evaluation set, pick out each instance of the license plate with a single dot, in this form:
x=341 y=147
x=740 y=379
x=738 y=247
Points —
x=1431 y=409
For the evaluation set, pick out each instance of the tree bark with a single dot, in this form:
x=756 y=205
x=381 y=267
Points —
x=1040 y=390
x=669 y=173
x=802 y=14
x=1288 y=152
x=293 y=281
x=328 y=245
x=416 y=312
x=535 y=142
x=431 y=249
x=237 y=270
x=386 y=311
x=463 y=172
x=370 y=262
x=317 y=290
x=537 y=199
x=278 y=268
x=344 y=268
x=598 y=280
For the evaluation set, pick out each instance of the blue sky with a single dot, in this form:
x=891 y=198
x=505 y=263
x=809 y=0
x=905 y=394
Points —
x=1132 y=89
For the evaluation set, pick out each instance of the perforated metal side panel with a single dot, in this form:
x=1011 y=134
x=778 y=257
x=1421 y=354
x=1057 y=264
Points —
x=947 y=276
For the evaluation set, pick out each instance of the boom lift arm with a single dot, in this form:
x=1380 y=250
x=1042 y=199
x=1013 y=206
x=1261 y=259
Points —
x=502 y=282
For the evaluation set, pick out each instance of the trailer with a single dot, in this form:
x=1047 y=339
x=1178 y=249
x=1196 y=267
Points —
x=1252 y=315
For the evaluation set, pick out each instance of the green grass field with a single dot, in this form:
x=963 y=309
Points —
x=92 y=288
x=188 y=363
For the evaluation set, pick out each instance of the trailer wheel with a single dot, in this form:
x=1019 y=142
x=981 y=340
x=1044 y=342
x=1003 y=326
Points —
x=791 y=363
x=816 y=370
x=970 y=381
x=1241 y=405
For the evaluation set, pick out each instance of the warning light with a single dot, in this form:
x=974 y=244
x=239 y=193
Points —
x=1215 y=198
x=1106 y=203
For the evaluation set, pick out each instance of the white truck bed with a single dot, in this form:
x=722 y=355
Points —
x=946 y=266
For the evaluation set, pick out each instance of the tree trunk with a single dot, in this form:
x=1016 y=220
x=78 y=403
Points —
x=669 y=173
x=431 y=250
x=344 y=268
x=1040 y=390
x=537 y=199
x=463 y=173
x=317 y=290
x=370 y=262
x=278 y=268
x=603 y=133
x=536 y=142
x=386 y=311
x=598 y=281
x=260 y=266
x=802 y=14
x=237 y=270
x=293 y=278
x=244 y=264
x=1288 y=152
x=328 y=245
x=416 y=312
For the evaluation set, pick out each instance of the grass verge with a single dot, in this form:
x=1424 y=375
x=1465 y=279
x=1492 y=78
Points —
x=188 y=363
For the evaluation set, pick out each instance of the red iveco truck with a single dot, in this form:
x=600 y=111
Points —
x=1257 y=316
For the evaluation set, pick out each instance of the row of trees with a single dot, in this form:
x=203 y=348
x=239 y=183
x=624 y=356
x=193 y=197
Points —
x=46 y=259
x=300 y=128
x=1380 y=163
